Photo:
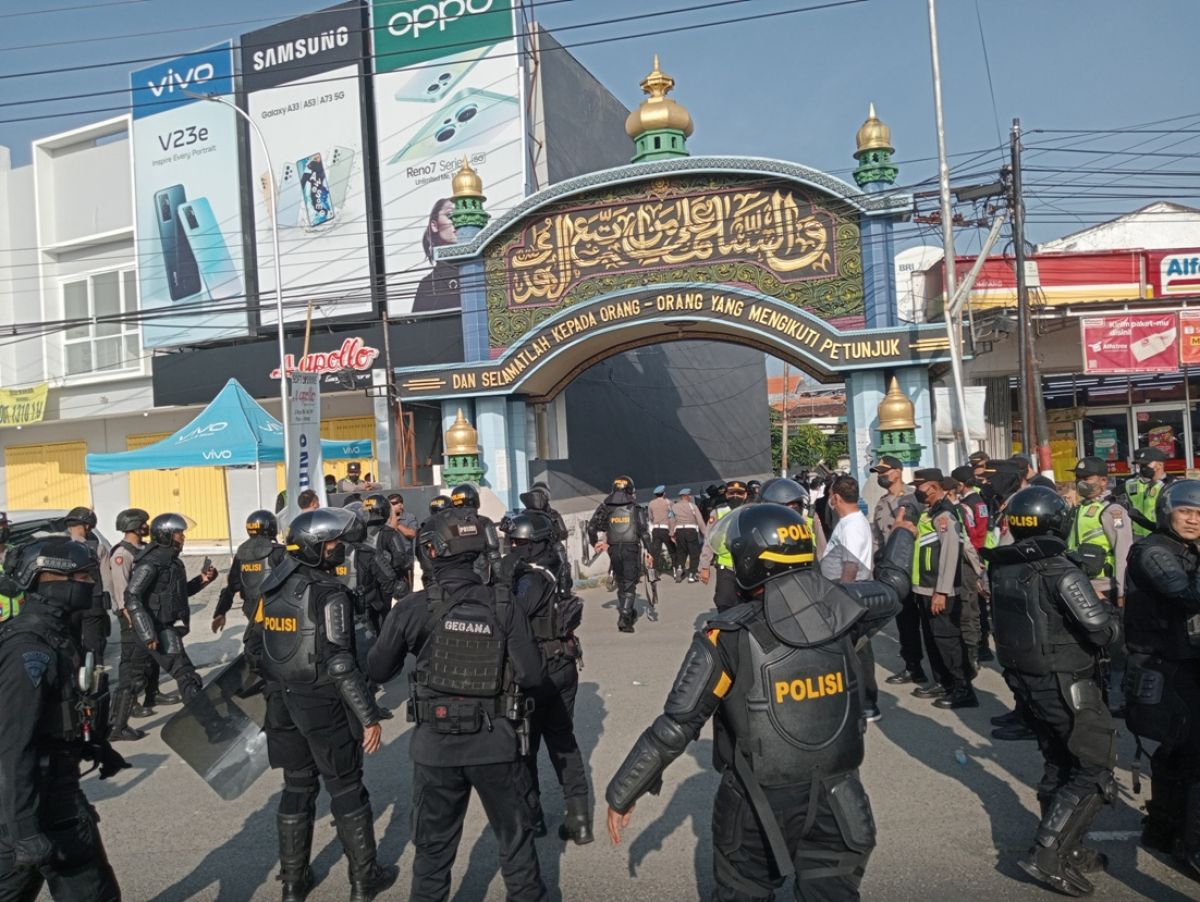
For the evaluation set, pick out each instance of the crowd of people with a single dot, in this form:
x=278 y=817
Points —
x=1074 y=600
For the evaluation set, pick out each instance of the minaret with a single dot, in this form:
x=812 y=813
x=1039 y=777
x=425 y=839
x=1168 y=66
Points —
x=875 y=171
x=462 y=453
x=659 y=127
x=898 y=427
x=468 y=202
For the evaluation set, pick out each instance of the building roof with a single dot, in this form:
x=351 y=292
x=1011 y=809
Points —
x=1161 y=225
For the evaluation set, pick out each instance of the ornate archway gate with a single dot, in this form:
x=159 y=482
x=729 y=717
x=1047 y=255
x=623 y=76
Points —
x=766 y=254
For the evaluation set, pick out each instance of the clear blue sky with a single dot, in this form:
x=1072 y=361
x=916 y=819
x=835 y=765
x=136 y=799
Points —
x=794 y=87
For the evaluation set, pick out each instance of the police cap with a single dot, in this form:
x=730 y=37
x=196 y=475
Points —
x=1090 y=466
x=1149 y=454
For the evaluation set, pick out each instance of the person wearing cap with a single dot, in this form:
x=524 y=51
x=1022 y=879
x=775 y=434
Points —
x=1031 y=474
x=353 y=482
x=662 y=521
x=979 y=462
x=687 y=526
x=1142 y=491
x=725 y=593
x=937 y=584
x=974 y=514
x=95 y=625
x=899 y=503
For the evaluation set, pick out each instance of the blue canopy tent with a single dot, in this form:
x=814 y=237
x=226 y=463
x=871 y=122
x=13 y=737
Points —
x=233 y=430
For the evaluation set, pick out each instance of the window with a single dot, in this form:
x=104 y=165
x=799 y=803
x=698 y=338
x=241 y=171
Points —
x=108 y=340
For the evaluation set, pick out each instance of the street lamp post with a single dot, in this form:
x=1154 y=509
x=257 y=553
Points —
x=283 y=384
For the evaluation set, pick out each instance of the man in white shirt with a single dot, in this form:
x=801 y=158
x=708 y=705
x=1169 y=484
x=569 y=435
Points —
x=847 y=558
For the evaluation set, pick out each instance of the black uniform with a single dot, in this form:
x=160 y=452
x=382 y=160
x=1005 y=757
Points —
x=1050 y=628
x=784 y=683
x=252 y=564
x=95 y=624
x=538 y=499
x=473 y=650
x=317 y=707
x=1162 y=688
x=627 y=529
x=135 y=657
x=371 y=580
x=41 y=746
x=395 y=563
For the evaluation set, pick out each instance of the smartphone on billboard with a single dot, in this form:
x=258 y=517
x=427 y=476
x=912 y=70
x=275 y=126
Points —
x=469 y=117
x=341 y=162
x=434 y=81
x=213 y=259
x=314 y=190
x=183 y=276
x=287 y=216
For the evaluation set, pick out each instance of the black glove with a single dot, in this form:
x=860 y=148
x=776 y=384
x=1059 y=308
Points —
x=111 y=761
x=34 y=851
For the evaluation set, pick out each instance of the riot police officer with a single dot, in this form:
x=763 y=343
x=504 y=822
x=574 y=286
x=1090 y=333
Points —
x=474 y=655
x=781 y=674
x=134 y=525
x=320 y=715
x=52 y=721
x=1050 y=627
x=1162 y=635
x=392 y=550
x=625 y=527
x=156 y=601
x=252 y=564
x=538 y=499
x=466 y=497
x=787 y=492
x=96 y=626
x=553 y=621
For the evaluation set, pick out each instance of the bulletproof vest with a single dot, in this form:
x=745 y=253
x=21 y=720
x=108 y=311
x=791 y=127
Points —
x=929 y=547
x=347 y=571
x=291 y=632
x=1155 y=625
x=546 y=626
x=254 y=561
x=61 y=722
x=622 y=524
x=1088 y=530
x=796 y=703
x=167 y=598
x=1033 y=633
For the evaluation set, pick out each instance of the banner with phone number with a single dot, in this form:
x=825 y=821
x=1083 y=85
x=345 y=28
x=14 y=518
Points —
x=187 y=200
x=22 y=406
x=447 y=86
x=303 y=86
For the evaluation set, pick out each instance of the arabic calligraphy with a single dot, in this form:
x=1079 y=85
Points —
x=773 y=228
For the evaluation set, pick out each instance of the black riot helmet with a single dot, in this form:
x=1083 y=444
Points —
x=439 y=503
x=530 y=526
x=312 y=529
x=624 y=484
x=537 y=498
x=81 y=516
x=764 y=540
x=465 y=495
x=358 y=530
x=5 y=529
x=377 y=509
x=165 y=527
x=1037 y=511
x=55 y=554
x=787 y=492
x=133 y=519
x=262 y=523
x=1178 y=494
x=453 y=534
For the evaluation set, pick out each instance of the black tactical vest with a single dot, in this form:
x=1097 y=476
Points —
x=254 y=560
x=292 y=633
x=347 y=571
x=167 y=598
x=61 y=721
x=1155 y=625
x=546 y=625
x=796 y=704
x=622 y=524
x=1033 y=633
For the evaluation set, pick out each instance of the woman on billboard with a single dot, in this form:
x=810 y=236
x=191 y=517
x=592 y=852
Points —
x=438 y=290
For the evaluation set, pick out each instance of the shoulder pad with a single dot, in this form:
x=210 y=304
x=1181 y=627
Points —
x=280 y=572
x=1158 y=563
x=1076 y=592
x=735 y=618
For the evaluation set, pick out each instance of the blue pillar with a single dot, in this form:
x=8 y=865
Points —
x=491 y=422
x=474 y=302
x=914 y=382
x=879 y=267
x=518 y=433
x=864 y=392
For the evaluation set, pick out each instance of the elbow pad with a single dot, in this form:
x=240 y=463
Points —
x=878 y=598
x=643 y=767
x=1086 y=608
x=353 y=688
x=1166 y=575
x=339 y=620
x=895 y=564
x=140 y=620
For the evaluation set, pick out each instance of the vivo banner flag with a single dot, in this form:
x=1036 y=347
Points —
x=187 y=200
x=447 y=86
x=305 y=469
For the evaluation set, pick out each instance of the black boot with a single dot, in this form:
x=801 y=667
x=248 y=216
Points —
x=367 y=877
x=985 y=650
x=577 y=823
x=626 y=612
x=961 y=696
x=295 y=849
x=141 y=711
x=1063 y=825
x=122 y=708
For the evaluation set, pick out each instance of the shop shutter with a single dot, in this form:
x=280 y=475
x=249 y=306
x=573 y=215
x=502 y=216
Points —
x=47 y=477
x=198 y=492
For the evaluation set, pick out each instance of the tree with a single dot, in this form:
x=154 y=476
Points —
x=807 y=445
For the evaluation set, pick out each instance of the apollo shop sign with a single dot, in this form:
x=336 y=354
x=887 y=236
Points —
x=354 y=354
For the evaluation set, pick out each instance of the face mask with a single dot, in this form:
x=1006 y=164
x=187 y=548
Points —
x=1146 y=472
x=884 y=480
x=68 y=595
x=335 y=557
x=523 y=552
x=735 y=501
x=1086 y=489
x=922 y=496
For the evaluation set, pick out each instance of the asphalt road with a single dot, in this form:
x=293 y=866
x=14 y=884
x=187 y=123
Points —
x=947 y=831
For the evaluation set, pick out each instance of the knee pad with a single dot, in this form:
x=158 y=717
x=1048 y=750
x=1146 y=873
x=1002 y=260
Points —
x=347 y=795
x=300 y=789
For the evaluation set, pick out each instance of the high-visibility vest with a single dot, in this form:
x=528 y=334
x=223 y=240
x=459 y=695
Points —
x=1143 y=496
x=10 y=606
x=722 y=555
x=1089 y=530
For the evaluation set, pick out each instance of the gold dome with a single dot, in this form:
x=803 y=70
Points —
x=467 y=182
x=873 y=134
x=658 y=111
x=461 y=437
x=895 y=410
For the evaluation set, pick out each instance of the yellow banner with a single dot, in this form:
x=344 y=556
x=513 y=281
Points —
x=21 y=406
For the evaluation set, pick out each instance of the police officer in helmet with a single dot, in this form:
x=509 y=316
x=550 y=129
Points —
x=134 y=525
x=787 y=492
x=463 y=498
x=781 y=674
x=49 y=833
x=393 y=551
x=1050 y=627
x=95 y=623
x=320 y=715
x=553 y=620
x=625 y=527
x=475 y=655
x=1162 y=635
x=252 y=564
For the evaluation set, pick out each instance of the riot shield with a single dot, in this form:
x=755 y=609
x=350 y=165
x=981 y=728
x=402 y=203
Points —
x=218 y=733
